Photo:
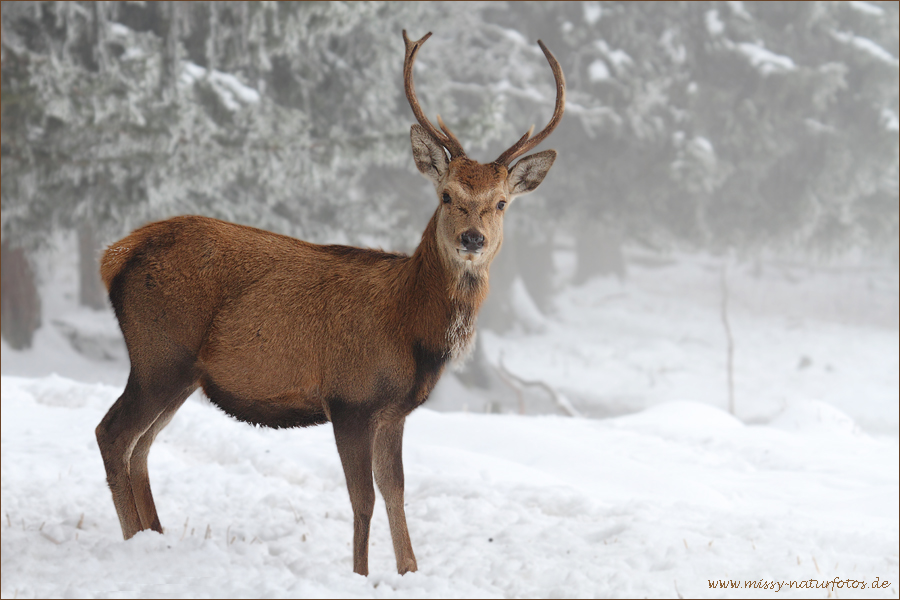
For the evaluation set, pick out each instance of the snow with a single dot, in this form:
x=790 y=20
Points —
x=618 y=58
x=889 y=120
x=514 y=36
x=867 y=8
x=739 y=10
x=229 y=88
x=597 y=71
x=498 y=505
x=592 y=12
x=665 y=496
x=118 y=30
x=677 y=51
x=765 y=60
x=868 y=46
x=703 y=145
x=714 y=24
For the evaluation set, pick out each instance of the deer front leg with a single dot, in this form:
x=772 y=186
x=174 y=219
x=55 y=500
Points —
x=354 y=431
x=388 y=465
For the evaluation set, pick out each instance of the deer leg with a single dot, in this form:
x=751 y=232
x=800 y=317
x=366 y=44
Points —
x=151 y=391
x=354 y=432
x=388 y=465
x=117 y=435
x=140 y=480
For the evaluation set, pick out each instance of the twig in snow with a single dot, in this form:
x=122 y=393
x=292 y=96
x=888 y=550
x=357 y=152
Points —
x=729 y=338
x=52 y=539
x=298 y=518
x=516 y=382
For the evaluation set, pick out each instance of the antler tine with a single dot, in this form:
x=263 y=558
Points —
x=525 y=137
x=452 y=138
x=447 y=139
x=525 y=144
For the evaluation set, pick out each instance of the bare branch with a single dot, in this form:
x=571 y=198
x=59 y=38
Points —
x=516 y=382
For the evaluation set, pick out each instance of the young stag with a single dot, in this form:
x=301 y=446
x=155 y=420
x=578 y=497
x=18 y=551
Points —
x=284 y=333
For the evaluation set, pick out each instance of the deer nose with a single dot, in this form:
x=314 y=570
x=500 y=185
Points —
x=472 y=240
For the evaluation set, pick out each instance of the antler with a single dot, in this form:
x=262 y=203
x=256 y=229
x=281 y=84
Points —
x=525 y=144
x=447 y=139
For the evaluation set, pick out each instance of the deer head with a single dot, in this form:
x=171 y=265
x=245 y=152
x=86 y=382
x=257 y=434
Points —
x=473 y=196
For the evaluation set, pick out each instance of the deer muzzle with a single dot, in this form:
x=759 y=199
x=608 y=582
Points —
x=472 y=241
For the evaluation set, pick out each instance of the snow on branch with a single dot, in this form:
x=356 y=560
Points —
x=866 y=45
x=766 y=61
x=866 y=7
x=228 y=87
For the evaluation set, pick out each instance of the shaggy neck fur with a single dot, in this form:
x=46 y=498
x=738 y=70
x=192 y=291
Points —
x=448 y=295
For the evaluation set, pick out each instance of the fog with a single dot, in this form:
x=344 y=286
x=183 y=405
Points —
x=703 y=288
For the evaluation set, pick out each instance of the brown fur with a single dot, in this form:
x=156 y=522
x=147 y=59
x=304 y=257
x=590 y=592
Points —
x=284 y=333
x=275 y=323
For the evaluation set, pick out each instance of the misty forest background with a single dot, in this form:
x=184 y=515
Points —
x=737 y=129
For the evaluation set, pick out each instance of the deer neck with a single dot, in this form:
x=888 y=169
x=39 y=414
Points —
x=446 y=297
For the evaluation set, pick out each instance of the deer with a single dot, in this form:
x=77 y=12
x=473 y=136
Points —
x=279 y=332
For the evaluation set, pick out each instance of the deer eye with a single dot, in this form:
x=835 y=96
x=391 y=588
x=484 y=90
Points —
x=446 y=198
x=501 y=205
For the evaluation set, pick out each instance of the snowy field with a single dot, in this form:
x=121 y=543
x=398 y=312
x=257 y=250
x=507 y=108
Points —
x=659 y=492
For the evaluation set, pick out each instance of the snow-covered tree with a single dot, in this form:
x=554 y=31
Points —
x=735 y=124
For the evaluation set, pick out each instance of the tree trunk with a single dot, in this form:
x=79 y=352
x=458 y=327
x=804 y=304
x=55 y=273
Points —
x=91 y=292
x=21 y=304
x=168 y=74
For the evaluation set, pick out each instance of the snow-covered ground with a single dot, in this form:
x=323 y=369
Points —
x=666 y=495
x=829 y=335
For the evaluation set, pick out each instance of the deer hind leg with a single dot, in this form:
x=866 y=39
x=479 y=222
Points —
x=388 y=466
x=149 y=396
x=354 y=433
x=138 y=475
x=117 y=435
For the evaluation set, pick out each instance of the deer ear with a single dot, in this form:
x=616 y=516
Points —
x=529 y=172
x=431 y=160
